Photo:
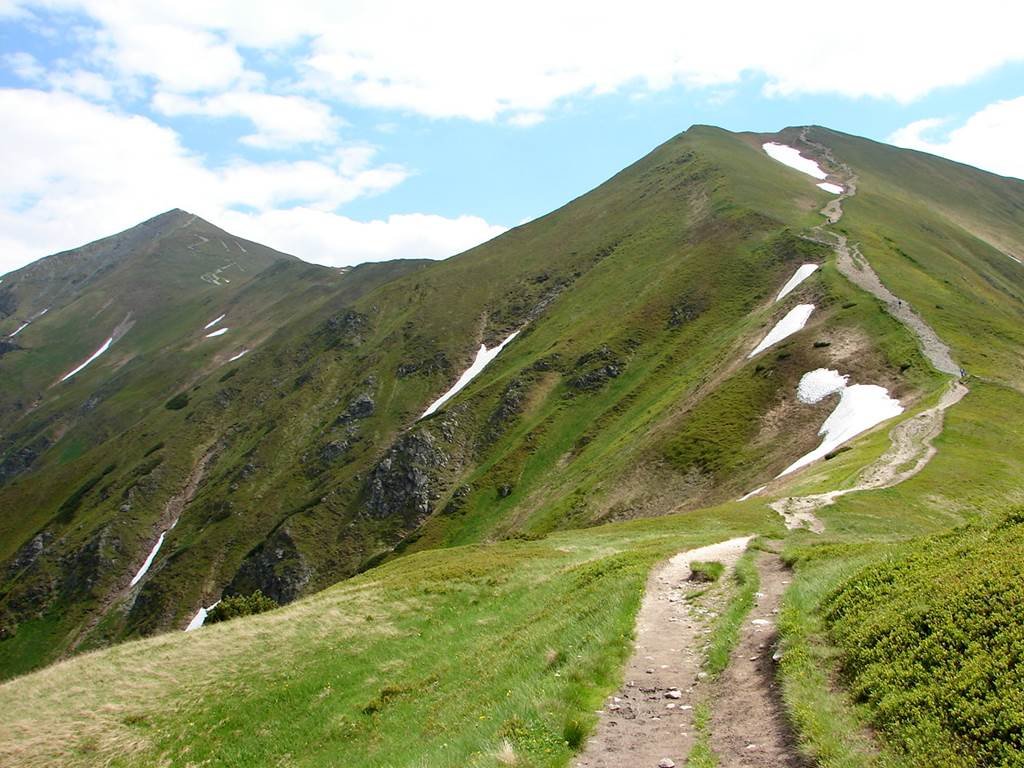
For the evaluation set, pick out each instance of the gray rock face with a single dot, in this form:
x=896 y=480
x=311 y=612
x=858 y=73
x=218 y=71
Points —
x=83 y=569
x=27 y=555
x=22 y=459
x=595 y=369
x=361 y=407
x=345 y=329
x=404 y=483
x=276 y=568
x=509 y=407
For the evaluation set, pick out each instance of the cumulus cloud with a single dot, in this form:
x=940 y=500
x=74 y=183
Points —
x=327 y=238
x=75 y=171
x=989 y=139
x=280 y=121
x=455 y=58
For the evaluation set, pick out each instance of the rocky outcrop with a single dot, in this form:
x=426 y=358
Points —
x=276 y=568
x=405 y=482
x=83 y=568
x=345 y=329
x=361 y=407
x=22 y=459
x=685 y=310
x=28 y=554
x=595 y=368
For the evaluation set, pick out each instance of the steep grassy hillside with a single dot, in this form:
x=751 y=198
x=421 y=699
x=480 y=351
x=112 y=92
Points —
x=627 y=393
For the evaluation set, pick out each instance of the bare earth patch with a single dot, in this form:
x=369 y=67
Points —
x=651 y=717
x=748 y=724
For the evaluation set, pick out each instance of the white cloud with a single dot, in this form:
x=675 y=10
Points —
x=989 y=139
x=75 y=171
x=25 y=65
x=178 y=58
x=526 y=119
x=327 y=238
x=280 y=121
x=456 y=58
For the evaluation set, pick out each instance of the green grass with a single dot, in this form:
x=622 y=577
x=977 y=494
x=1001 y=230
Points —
x=706 y=571
x=726 y=629
x=702 y=755
x=830 y=729
x=437 y=658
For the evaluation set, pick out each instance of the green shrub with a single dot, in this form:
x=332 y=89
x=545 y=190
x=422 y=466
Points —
x=932 y=640
x=177 y=402
x=240 y=605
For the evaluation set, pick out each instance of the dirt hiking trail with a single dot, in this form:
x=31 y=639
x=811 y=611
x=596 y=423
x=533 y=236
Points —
x=748 y=725
x=650 y=718
x=912 y=439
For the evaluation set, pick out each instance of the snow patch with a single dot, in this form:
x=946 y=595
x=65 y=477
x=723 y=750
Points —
x=200 y=618
x=218 y=332
x=792 y=157
x=483 y=357
x=236 y=357
x=93 y=356
x=794 y=320
x=152 y=555
x=802 y=273
x=818 y=384
x=861 y=407
x=754 y=492
x=835 y=189
x=214 y=322
x=21 y=328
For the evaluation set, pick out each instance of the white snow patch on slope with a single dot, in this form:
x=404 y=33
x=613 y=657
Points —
x=21 y=328
x=236 y=357
x=152 y=555
x=483 y=357
x=214 y=322
x=828 y=186
x=754 y=492
x=802 y=273
x=794 y=320
x=861 y=407
x=93 y=356
x=200 y=618
x=218 y=332
x=818 y=384
x=792 y=157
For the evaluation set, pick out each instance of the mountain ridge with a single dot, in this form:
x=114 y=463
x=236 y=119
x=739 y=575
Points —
x=628 y=414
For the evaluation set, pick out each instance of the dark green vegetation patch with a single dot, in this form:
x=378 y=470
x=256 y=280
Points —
x=933 y=638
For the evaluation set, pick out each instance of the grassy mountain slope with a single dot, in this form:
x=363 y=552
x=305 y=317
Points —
x=458 y=650
x=627 y=394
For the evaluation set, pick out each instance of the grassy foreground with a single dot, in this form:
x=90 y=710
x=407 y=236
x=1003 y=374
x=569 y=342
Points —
x=444 y=658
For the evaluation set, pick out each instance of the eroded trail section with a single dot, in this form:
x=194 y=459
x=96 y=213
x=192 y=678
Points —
x=851 y=262
x=912 y=440
x=749 y=728
x=650 y=719
x=911 y=449
x=858 y=271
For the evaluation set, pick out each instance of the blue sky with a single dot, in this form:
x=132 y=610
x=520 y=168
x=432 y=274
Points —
x=346 y=132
